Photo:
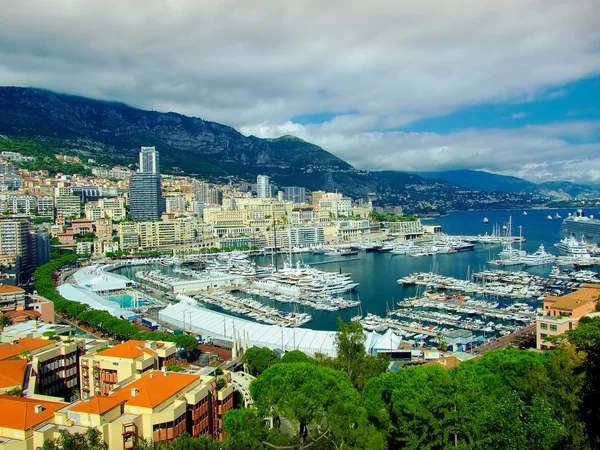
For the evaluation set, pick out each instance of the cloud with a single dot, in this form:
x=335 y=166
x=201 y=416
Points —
x=556 y=151
x=257 y=64
x=519 y=115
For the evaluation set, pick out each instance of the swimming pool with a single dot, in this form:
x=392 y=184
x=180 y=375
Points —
x=125 y=300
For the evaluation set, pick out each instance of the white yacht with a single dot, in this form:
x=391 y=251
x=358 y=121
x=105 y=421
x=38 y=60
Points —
x=485 y=220
x=540 y=258
x=572 y=247
x=524 y=213
x=558 y=216
x=549 y=217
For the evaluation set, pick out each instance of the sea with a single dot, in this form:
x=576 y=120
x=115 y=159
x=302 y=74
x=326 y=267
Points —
x=377 y=273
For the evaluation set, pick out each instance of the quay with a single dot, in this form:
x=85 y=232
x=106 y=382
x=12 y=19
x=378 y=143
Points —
x=219 y=300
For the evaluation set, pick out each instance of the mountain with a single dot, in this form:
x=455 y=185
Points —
x=565 y=190
x=483 y=181
x=99 y=128
x=112 y=133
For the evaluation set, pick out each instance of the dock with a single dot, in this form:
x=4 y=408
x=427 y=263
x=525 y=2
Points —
x=254 y=310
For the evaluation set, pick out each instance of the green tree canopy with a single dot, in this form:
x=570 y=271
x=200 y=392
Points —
x=257 y=359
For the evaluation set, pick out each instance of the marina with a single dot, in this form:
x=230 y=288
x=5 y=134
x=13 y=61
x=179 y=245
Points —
x=375 y=273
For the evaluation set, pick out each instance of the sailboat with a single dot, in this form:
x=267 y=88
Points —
x=360 y=314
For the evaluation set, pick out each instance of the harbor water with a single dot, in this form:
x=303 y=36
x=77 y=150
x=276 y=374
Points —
x=377 y=273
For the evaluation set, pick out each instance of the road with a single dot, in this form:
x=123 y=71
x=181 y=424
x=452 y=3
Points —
x=504 y=341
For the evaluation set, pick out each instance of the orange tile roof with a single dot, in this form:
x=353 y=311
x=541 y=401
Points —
x=12 y=372
x=154 y=388
x=129 y=349
x=35 y=343
x=589 y=292
x=447 y=362
x=18 y=413
x=8 y=289
x=13 y=349
x=97 y=405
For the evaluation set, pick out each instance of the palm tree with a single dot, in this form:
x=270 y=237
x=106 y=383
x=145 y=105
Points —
x=5 y=321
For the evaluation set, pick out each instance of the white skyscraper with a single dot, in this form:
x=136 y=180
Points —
x=149 y=161
x=263 y=186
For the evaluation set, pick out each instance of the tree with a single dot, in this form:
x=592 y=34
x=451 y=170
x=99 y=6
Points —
x=296 y=356
x=257 y=359
x=349 y=342
x=90 y=440
x=5 y=321
x=316 y=398
x=586 y=339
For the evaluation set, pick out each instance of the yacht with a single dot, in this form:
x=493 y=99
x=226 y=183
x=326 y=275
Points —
x=572 y=247
x=549 y=217
x=539 y=258
x=524 y=213
x=558 y=216
x=485 y=220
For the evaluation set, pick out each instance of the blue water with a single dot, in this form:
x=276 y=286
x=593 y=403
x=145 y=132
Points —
x=377 y=272
x=123 y=300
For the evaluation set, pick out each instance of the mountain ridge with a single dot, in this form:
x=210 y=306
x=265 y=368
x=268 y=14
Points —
x=112 y=132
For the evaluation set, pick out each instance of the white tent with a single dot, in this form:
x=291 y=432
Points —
x=85 y=295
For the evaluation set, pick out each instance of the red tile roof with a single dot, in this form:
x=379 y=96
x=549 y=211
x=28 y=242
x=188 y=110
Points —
x=18 y=413
x=97 y=405
x=12 y=372
x=130 y=349
x=154 y=388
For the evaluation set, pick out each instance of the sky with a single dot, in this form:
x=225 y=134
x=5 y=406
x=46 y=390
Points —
x=511 y=86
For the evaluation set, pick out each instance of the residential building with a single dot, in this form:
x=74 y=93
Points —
x=68 y=206
x=17 y=246
x=104 y=228
x=334 y=205
x=23 y=418
x=16 y=204
x=561 y=314
x=84 y=248
x=176 y=203
x=295 y=194
x=306 y=237
x=104 y=371
x=45 y=205
x=215 y=196
x=158 y=406
x=149 y=160
x=42 y=244
x=11 y=297
x=55 y=369
x=145 y=196
x=82 y=226
x=263 y=186
x=316 y=197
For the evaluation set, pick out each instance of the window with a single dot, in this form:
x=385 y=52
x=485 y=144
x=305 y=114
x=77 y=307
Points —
x=544 y=335
x=553 y=327
x=544 y=326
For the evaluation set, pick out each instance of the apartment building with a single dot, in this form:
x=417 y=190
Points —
x=334 y=205
x=82 y=226
x=104 y=228
x=307 y=237
x=23 y=420
x=17 y=246
x=55 y=369
x=104 y=371
x=68 y=206
x=45 y=205
x=11 y=297
x=158 y=406
x=561 y=314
